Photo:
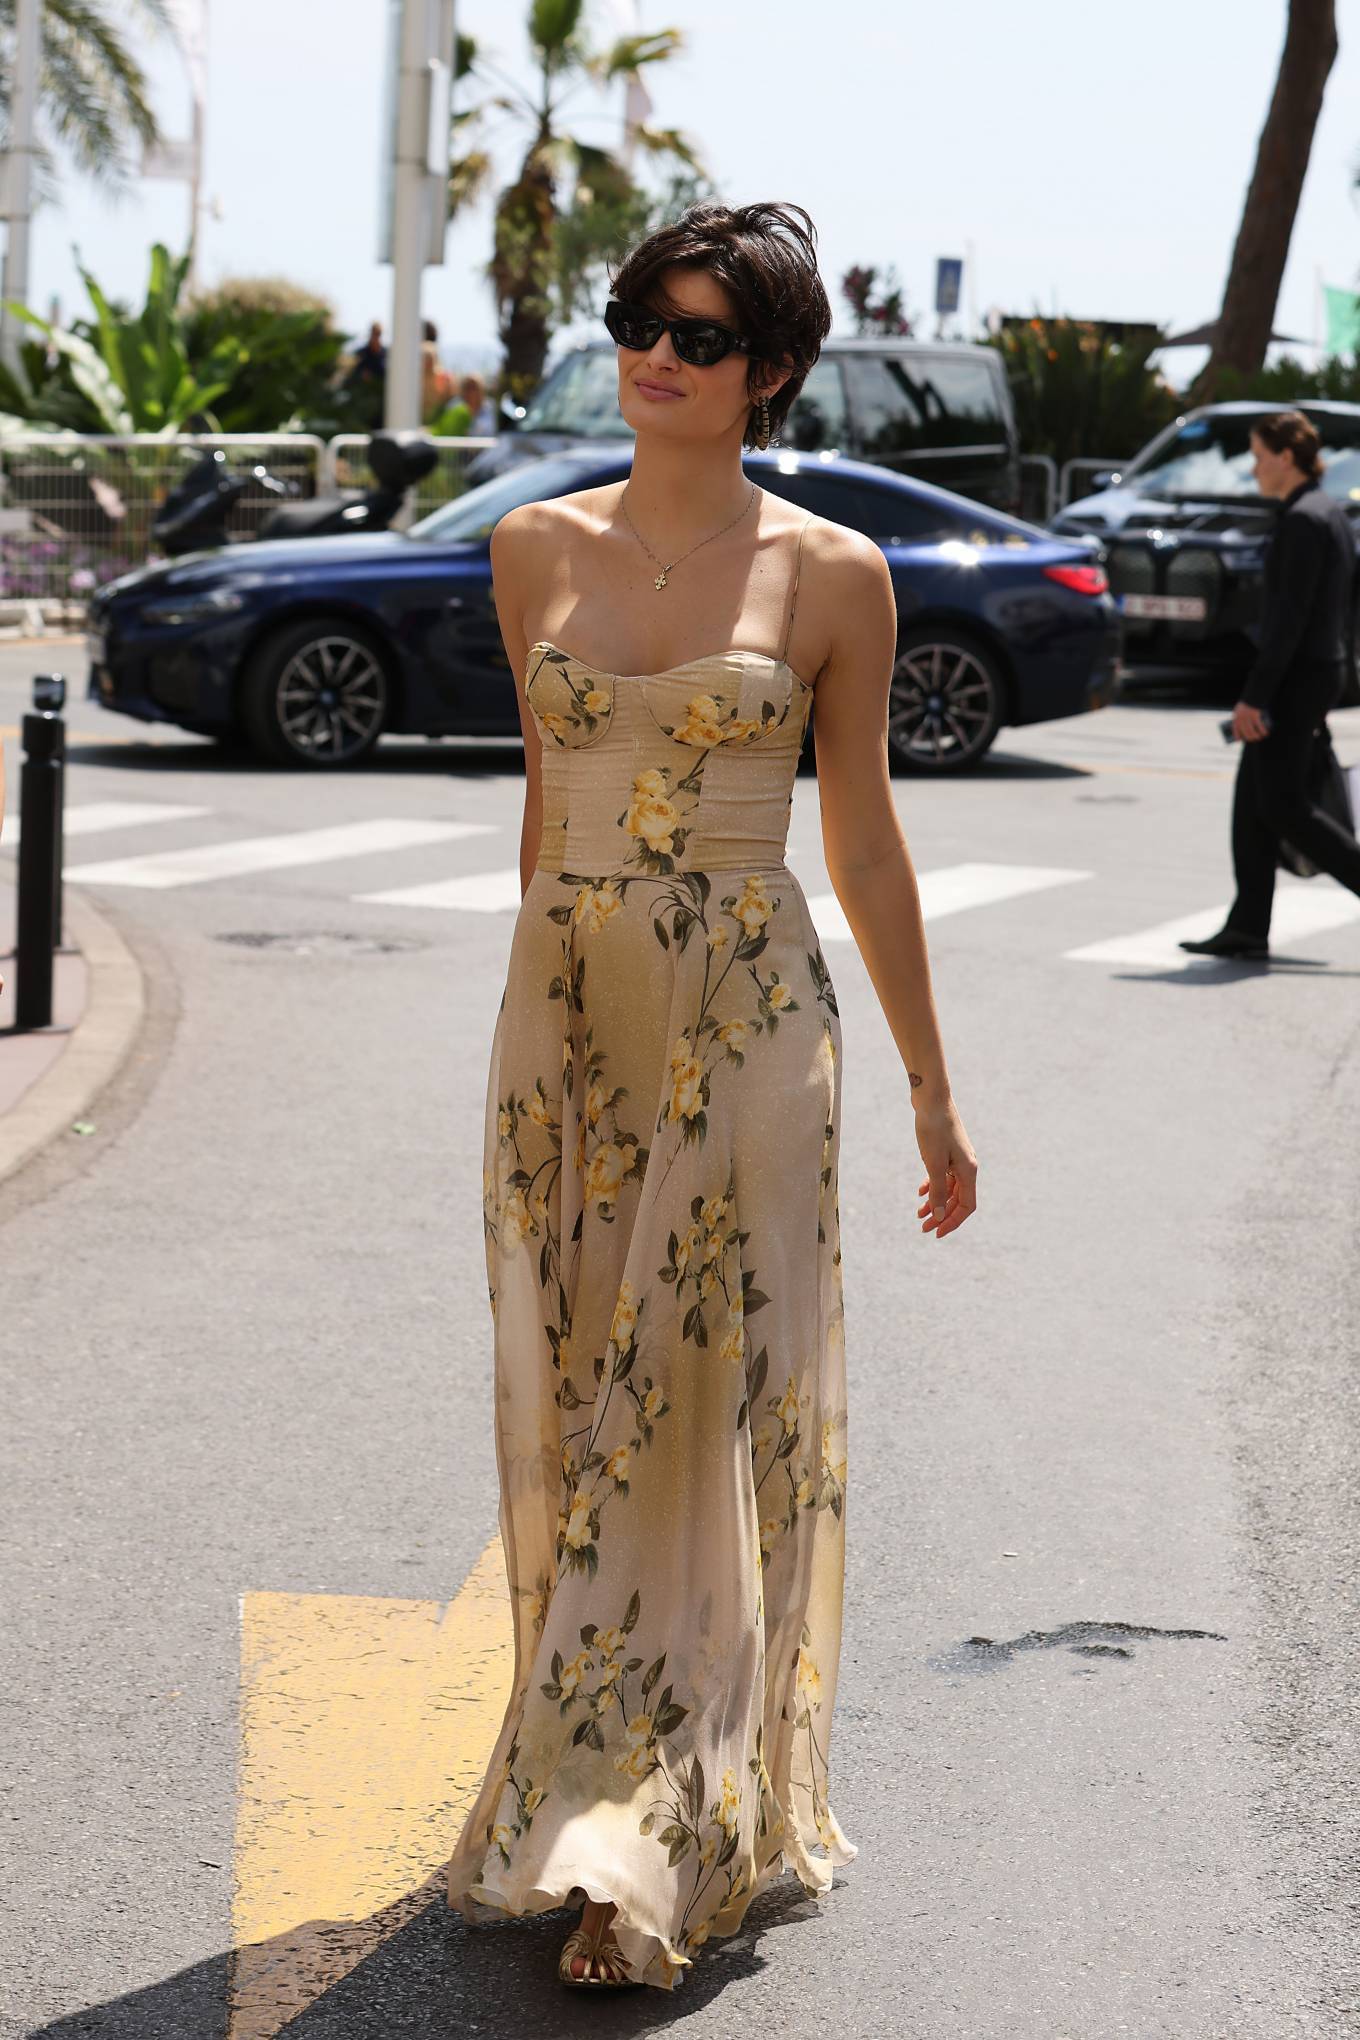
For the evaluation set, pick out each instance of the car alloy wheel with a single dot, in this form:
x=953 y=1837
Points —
x=331 y=697
x=944 y=704
x=316 y=695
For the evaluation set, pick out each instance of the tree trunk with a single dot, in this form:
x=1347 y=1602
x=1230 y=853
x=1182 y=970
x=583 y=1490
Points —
x=1262 y=247
x=522 y=270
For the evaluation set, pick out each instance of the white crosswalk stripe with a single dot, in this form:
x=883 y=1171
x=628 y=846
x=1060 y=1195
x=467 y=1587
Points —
x=165 y=868
x=91 y=817
x=952 y=890
x=479 y=892
x=1299 y=911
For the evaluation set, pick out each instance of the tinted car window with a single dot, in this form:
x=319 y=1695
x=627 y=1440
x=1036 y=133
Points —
x=965 y=397
x=816 y=420
x=901 y=403
x=580 y=396
x=1212 y=456
x=884 y=514
x=475 y=514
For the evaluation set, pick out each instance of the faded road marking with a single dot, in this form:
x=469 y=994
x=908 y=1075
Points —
x=366 y=1725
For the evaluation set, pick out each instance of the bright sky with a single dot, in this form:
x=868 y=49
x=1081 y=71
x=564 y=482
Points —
x=1095 y=157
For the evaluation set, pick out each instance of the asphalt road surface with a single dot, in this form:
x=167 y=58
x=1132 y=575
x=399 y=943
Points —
x=1096 y=1734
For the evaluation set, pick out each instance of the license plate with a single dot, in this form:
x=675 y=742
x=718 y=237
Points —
x=1165 y=608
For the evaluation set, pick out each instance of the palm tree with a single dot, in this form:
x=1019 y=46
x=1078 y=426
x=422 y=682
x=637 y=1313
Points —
x=92 y=92
x=541 y=248
x=1243 y=329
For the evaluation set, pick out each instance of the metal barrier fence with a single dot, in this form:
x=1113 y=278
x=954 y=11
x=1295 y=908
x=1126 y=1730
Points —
x=1038 y=487
x=345 y=467
x=76 y=509
x=1081 y=472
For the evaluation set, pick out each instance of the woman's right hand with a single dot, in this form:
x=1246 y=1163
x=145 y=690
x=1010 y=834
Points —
x=949 y=1192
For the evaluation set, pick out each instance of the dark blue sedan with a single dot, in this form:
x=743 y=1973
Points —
x=312 y=649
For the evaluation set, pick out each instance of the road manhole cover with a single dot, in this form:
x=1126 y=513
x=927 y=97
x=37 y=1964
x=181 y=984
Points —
x=323 y=943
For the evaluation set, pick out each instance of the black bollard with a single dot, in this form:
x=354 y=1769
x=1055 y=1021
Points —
x=49 y=693
x=40 y=798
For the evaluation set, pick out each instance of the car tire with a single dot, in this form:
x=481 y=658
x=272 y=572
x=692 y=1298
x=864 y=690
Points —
x=946 y=701
x=315 y=695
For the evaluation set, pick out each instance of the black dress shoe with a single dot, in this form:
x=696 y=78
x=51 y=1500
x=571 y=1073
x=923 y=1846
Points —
x=1228 y=942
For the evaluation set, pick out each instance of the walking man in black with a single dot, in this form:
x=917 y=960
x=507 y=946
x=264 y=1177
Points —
x=1297 y=676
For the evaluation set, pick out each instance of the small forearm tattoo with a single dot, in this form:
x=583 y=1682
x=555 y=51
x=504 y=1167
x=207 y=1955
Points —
x=915 y=1080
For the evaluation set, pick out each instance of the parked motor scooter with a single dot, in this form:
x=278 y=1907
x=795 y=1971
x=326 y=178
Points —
x=195 y=513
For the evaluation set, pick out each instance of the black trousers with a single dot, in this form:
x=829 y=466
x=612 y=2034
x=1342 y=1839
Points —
x=1271 y=804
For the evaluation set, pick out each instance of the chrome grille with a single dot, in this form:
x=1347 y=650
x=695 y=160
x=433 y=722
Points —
x=1196 y=571
x=1131 y=572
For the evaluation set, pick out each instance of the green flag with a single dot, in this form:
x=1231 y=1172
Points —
x=1343 y=320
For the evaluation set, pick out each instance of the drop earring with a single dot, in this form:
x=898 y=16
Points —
x=763 y=424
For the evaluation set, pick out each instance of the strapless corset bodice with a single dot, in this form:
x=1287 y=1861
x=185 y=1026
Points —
x=690 y=769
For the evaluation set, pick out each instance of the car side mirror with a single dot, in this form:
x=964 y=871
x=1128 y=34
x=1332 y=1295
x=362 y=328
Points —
x=511 y=413
x=1105 y=478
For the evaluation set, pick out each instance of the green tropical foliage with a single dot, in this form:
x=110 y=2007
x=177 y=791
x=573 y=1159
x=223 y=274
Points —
x=122 y=371
x=251 y=355
x=1286 y=381
x=291 y=351
x=1079 y=393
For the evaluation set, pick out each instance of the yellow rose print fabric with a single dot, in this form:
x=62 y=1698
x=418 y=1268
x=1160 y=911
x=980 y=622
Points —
x=663 y=1259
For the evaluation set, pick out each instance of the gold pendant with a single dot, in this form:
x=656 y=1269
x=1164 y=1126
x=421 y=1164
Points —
x=661 y=578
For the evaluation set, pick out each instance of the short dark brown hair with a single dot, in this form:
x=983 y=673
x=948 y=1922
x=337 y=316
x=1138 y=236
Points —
x=1291 y=432
x=765 y=258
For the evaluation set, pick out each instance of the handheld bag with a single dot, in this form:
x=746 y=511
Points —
x=1332 y=787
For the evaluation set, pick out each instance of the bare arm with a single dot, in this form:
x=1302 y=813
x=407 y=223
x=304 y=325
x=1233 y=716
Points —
x=513 y=546
x=870 y=865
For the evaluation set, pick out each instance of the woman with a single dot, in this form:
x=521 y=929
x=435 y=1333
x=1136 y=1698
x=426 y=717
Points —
x=663 y=1118
x=1297 y=676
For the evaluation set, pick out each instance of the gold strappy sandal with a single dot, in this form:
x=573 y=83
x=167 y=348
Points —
x=603 y=1963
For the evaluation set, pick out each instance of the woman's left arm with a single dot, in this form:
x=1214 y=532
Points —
x=868 y=860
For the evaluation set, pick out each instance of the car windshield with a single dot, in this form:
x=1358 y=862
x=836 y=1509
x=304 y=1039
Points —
x=474 y=515
x=1211 y=457
x=581 y=396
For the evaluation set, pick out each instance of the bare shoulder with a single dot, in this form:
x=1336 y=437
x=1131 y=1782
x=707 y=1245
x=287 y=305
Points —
x=847 y=605
x=845 y=562
x=530 y=535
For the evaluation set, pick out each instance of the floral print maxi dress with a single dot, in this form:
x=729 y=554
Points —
x=663 y=1255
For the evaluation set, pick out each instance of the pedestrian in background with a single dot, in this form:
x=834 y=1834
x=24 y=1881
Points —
x=1298 y=675
x=370 y=360
x=481 y=410
x=436 y=384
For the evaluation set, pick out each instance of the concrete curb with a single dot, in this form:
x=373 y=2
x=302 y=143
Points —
x=98 y=1046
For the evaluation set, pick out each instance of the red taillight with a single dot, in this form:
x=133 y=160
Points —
x=1081 y=580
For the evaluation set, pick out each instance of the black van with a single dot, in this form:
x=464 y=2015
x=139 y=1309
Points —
x=938 y=409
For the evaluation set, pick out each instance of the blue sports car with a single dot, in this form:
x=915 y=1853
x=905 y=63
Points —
x=313 y=648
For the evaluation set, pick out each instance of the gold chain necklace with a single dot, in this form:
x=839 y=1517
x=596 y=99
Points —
x=660 y=581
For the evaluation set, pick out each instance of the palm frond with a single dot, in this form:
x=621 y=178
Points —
x=93 y=93
x=554 y=26
x=654 y=141
x=631 y=52
x=469 y=178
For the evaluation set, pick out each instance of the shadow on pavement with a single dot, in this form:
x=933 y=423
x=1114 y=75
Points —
x=1221 y=976
x=437 y=1976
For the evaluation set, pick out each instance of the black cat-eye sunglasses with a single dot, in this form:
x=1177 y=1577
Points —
x=698 y=342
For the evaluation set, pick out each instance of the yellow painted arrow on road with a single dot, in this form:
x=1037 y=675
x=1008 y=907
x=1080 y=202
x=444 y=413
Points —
x=366 y=1726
